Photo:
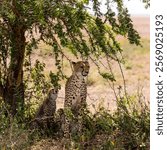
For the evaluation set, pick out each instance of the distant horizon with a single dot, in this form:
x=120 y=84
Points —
x=140 y=15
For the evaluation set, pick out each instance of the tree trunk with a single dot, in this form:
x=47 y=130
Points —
x=14 y=88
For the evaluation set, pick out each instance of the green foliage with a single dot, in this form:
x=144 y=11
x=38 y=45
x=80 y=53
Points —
x=63 y=25
x=54 y=79
x=108 y=76
x=66 y=24
x=36 y=86
x=132 y=119
x=127 y=128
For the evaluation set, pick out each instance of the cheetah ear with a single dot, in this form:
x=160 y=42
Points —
x=73 y=63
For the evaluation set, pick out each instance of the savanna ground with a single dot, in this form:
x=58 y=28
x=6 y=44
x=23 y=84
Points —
x=100 y=94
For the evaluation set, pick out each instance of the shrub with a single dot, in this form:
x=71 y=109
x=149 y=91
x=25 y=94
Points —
x=128 y=127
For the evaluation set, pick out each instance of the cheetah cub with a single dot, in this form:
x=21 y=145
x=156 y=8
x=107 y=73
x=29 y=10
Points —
x=44 y=115
x=75 y=92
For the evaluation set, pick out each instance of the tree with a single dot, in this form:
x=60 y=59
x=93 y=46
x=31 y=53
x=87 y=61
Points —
x=61 y=24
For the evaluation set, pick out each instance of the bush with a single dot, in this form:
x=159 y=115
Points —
x=126 y=129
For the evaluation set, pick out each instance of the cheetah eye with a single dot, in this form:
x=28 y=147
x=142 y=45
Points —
x=82 y=66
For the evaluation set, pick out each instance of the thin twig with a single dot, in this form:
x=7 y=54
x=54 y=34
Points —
x=123 y=77
x=113 y=85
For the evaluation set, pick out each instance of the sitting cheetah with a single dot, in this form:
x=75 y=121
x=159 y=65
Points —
x=44 y=115
x=75 y=92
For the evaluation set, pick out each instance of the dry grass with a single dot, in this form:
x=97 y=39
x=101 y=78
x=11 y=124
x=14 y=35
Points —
x=46 y=144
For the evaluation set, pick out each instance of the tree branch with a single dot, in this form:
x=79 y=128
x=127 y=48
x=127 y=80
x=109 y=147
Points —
x=14 y=8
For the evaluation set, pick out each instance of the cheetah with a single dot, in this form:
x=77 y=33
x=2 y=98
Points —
x=75 y=92
x=45 y=114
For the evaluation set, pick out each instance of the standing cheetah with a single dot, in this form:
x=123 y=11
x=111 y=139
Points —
x=75 y=92
x=44 y=115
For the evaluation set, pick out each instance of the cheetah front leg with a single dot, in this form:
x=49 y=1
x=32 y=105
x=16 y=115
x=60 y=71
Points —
x=66 y=127
x=83 y=105
x=66 y=132
x=67 y=121
x=83 y=94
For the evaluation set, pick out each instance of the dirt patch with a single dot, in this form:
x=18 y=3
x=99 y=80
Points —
x=48 y=144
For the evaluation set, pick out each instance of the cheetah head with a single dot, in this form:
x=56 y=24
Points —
x=81 y=68
x=53 y=93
